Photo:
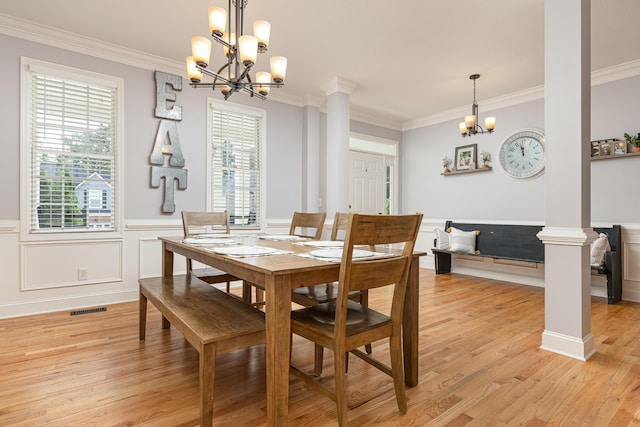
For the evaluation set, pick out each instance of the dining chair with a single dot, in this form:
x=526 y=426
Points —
x=210 y=223
x=302 y=222
x=308 y=296
x=344 y=325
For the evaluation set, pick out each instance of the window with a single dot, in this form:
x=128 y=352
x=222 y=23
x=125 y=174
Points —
x=69 y=150
x=235 y=167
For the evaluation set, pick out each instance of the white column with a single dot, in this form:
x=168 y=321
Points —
x=338 y=92
x=567 y=233
x=311 y=156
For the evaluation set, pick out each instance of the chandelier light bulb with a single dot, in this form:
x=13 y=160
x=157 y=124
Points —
x=194 y=74
x=489 y=123
x=231 y=39
x=217 y=21
x=261 y=31
x=463 y=128
x=278 y=68
x=248 y=46
x=201 y=50
x=470 y=121
x=263 y=77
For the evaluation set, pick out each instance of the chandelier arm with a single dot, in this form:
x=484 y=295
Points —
x=250 y=90
x=216 y=76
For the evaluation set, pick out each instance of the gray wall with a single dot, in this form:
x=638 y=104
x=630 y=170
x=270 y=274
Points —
x=140 y=126
x=493 y=196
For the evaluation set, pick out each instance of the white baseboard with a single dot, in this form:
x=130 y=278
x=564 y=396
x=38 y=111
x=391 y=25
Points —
x=27 y=308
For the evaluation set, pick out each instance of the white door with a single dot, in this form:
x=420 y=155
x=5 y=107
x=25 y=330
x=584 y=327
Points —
x=367 y=181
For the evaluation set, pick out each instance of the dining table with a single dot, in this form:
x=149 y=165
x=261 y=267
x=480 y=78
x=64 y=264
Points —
x=279 y=264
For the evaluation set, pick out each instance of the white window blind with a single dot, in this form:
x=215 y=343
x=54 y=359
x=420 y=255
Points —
x=235 y=165
x=72 y=155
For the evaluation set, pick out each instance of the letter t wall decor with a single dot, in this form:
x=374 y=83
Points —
x=166 y=158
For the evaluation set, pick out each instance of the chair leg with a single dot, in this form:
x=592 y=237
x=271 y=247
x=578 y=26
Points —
x=318 y=359
x=395 y=348
x=246 y=292
x=341 y=388
x=228 y=287
x=368 y=349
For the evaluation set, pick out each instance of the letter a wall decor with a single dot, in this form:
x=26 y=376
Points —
x=166 y=158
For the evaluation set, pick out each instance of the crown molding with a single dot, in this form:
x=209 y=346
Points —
x=598 y=77
x=55 y=37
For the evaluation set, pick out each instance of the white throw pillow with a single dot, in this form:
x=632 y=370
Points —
x=442 y=239
x=462 y=241
x=599 y=247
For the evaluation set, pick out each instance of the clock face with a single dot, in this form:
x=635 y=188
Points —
x=522 y=154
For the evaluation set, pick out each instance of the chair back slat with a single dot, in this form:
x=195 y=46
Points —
x=205 y=222
x=401 y=231
x=313 y=221
x=340 y=224
x=374 y=274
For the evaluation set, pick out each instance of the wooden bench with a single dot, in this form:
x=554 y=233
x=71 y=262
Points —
x=212 y=321
x=520 y=243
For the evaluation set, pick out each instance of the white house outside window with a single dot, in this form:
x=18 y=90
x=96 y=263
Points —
x=69 y=149
x=235 y=167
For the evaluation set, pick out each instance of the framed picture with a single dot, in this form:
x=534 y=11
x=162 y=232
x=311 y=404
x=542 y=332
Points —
x=595 y=148
x=466 y=157
x=606 y=148
x=619 y=147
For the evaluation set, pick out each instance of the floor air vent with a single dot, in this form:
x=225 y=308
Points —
x=88 y=310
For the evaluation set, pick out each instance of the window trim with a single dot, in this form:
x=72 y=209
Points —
x=26 y=65
x=252 y=111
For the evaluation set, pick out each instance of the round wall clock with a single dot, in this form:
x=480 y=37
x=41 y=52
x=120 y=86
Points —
x=521 y=155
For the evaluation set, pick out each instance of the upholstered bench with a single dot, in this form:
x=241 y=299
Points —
x=211 y=320
x=520 y=243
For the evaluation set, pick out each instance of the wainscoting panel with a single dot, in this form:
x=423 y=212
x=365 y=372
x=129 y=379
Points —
x=49 y=265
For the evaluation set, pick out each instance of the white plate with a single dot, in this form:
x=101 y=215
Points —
x=337 y=253
x=244 y=250
x=280 y=237
x=325 y=243
x=201 y=241
x=214 y=235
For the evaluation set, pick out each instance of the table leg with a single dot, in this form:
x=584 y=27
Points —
x=278 y=330
x=142 y=313
x=167 y=271
x=410 y=324
x=167 y=261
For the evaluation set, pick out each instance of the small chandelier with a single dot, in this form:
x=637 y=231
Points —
x=470 y=125
x=241 y=51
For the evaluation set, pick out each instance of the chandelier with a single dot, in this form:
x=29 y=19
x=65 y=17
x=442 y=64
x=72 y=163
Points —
x=241 y=51
x=470 y=125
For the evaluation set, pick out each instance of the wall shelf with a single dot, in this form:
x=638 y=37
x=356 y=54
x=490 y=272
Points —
x=615 y=156
x=480 y=169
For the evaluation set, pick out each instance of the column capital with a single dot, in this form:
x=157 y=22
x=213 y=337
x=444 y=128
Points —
x=567 y=236
x=338 y=84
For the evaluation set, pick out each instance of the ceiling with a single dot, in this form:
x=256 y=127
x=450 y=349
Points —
x=408 y=59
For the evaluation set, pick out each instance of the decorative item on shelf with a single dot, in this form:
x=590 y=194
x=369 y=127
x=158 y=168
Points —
x=446 y=161
x=634 y=141
x=470 y=125
x=485 y=156
x=241 y=51
x=465 y=156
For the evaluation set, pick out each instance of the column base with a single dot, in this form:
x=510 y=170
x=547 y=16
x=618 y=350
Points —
x=581 y=349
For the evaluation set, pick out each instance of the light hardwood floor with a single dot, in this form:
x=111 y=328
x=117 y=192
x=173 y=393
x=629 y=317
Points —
x=480 y=364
